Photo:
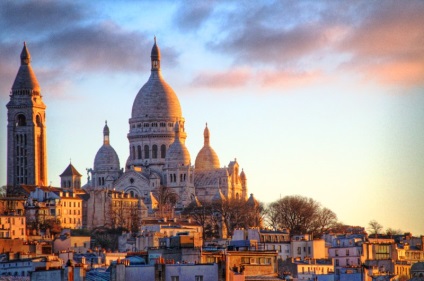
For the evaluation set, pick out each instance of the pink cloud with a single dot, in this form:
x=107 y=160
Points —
x=388 y=45
x=232 y=78
x=288 y=78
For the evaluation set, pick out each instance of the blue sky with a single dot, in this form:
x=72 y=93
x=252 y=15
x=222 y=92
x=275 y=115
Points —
x=323 y=99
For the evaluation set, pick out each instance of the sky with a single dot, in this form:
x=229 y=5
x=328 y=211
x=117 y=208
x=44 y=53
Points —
x=323 y=99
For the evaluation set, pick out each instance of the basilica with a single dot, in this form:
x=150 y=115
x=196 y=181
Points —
x=158 y=157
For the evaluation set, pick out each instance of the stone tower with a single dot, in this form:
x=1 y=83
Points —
x=70 y=178
x=26 y=129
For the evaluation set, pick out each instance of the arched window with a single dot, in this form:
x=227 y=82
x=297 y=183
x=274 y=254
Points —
x=133 y=153
x=146 y=152
x=154 y=151
x=139 y=151
x=162 y=151
x=38 y=121
x=20 y=120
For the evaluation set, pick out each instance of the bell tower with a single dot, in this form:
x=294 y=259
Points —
x=26 y=128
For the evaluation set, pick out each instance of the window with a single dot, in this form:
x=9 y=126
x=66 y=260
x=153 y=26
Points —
x=198 y=277
x=299 y=250
x=146 y=152
x=337 y=262
x=139 y=151
x=382 y=252
x=175 y=278
x=162 y=151
x=154 y=151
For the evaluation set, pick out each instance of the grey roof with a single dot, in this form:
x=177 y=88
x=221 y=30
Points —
x=25 y=79
x=209 y=177
x=106 y=159
x=70 y=171
x=156 y=99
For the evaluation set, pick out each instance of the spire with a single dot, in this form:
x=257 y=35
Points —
x=25 y=56
x=155 y=57
x=106 y=134
x=206 y=135
x=177 y=130
x=25 y=82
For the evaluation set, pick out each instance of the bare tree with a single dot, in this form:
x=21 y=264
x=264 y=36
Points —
x=325 y=220
x=167 y=199
x=299 y=214
x=392 y=231
x=201 y=214
x=374 y=227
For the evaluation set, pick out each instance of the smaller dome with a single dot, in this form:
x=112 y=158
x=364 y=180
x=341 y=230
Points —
x=178 y=153
x=106 y=157
x=206 y=159
x=242 y=175
x=252 y=202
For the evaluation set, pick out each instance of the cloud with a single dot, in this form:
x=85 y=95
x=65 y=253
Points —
x=38 y=17
x=388 y=44
x=192 y=16
x=242 y=77
x=66 y=41
x=287 y=78
x=380 y=41
x=232 y=78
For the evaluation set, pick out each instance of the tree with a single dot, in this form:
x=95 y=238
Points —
x=392 y=231
x=374 y=227
x=135 y=220
x=167 y=199
x=326 y=219
x=300 y=214
x=201 y=213
x=237 y=213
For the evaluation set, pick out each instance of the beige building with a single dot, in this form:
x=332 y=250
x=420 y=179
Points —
x=303 y=246
x=13 y=227
x=52 y=203
x=111 y=208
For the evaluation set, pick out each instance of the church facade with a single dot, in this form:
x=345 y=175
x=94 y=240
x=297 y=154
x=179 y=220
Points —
x=158 y=157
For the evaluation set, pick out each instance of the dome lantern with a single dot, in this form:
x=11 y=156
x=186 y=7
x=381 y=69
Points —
x=155 y=57
x=106 y=134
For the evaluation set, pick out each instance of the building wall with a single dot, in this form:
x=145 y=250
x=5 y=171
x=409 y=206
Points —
x=254 y=262
x=78 y=244
x=13 y=227
x=209 y=272
x=314 y=249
